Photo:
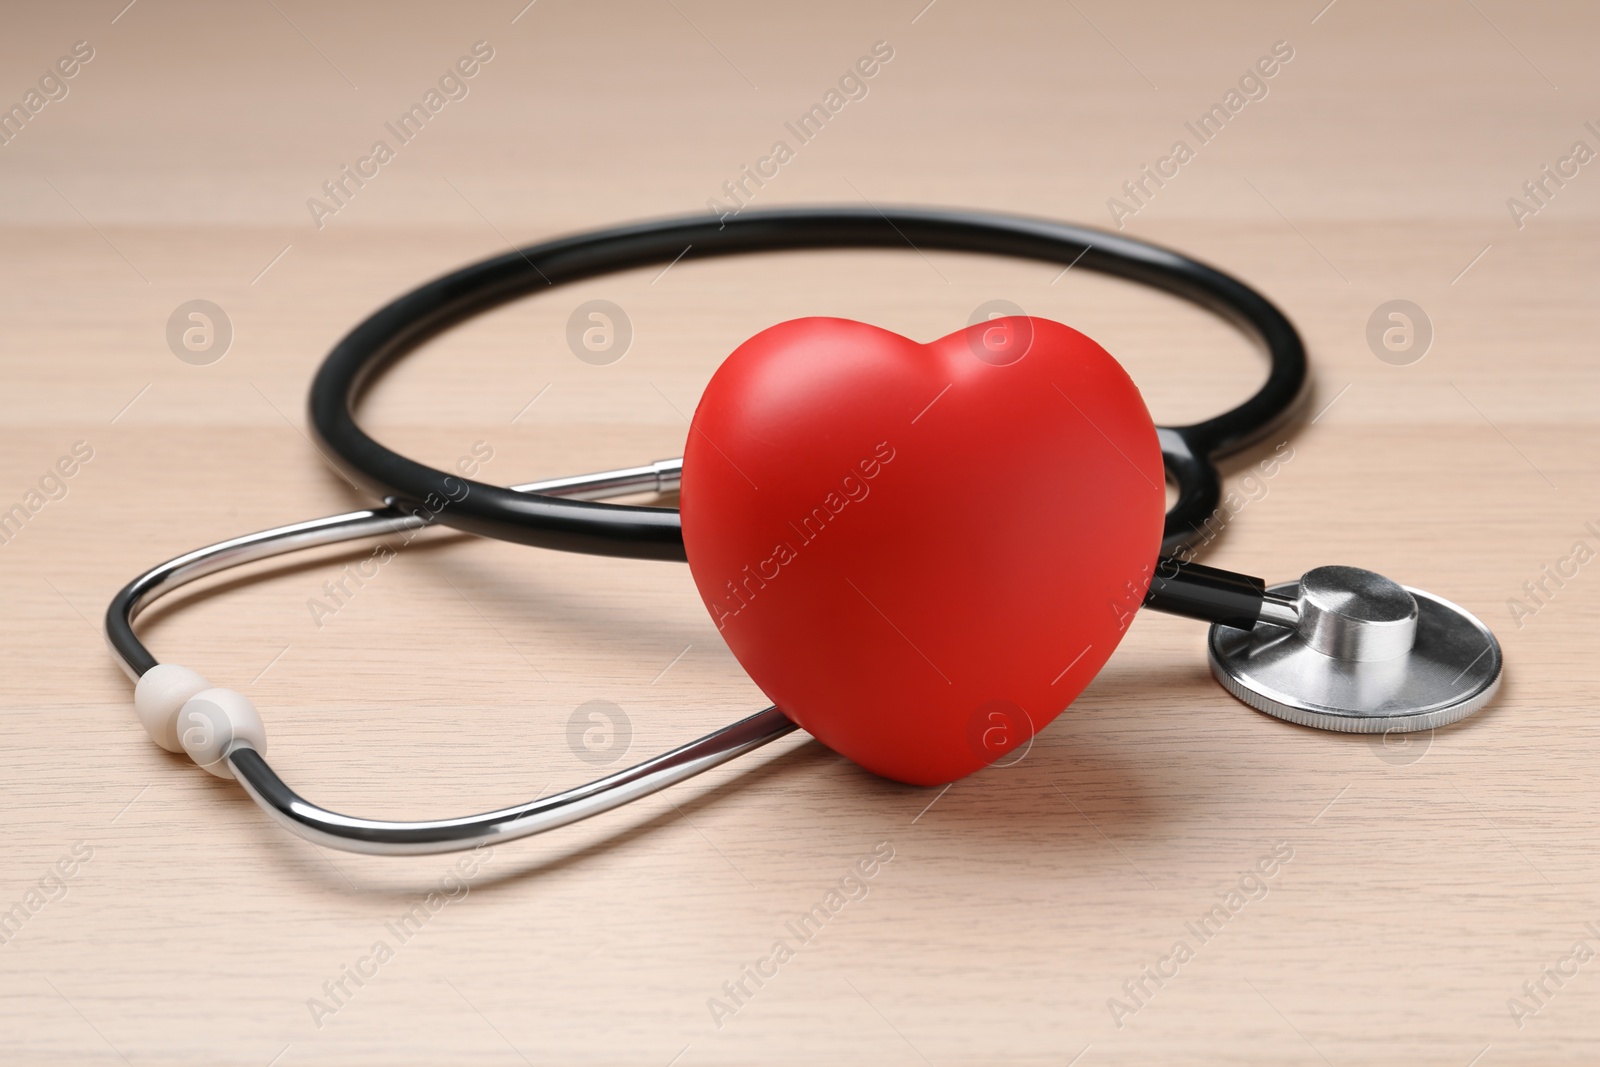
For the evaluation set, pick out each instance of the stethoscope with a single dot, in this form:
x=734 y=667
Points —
x=1340 y=649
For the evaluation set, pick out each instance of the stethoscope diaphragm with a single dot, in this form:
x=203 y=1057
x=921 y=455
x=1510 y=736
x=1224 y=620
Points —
x=1364 y=655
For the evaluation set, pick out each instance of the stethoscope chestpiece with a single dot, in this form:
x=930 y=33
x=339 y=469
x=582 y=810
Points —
x=1349 y=650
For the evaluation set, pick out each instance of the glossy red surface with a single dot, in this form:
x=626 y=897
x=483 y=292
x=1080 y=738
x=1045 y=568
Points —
x=922 y=553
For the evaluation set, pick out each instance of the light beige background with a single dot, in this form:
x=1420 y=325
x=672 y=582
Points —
x=1427 y=883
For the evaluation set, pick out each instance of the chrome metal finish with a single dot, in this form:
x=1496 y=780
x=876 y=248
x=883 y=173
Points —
x=662 y=476
x=157 y=582
x=1451 y=665
x=380 y=837
x=1349 y=613
x=353 y=834
x=1280 y=610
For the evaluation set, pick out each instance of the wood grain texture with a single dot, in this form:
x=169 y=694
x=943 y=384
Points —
x=1427 y=883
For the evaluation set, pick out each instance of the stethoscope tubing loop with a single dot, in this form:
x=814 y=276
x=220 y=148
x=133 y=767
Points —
x=655 y=533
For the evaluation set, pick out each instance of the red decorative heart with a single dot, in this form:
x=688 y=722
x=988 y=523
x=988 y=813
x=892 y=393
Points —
x=922 y=553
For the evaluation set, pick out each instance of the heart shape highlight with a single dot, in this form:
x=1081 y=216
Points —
x=922 y=553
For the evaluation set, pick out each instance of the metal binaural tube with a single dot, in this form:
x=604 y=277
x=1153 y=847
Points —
x=388 y=837
x=397 y=838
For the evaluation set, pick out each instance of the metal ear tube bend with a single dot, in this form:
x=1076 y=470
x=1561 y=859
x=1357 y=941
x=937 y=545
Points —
x=324 y=827
x=1190 y=584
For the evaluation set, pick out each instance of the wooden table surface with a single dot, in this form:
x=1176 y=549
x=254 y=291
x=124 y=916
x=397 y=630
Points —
x=1427 y=902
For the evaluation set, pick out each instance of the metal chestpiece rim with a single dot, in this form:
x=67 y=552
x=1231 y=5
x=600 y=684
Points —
x=1366 y=655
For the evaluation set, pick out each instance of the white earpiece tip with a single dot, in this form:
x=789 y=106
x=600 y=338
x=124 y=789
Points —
x=160 y=692
x=215 y=721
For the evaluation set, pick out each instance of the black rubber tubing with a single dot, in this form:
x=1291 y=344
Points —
x=1189 y=452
